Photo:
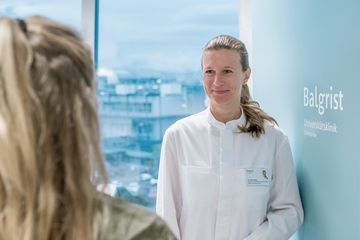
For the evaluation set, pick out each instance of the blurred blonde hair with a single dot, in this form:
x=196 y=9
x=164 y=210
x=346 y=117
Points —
x=49 y=133
x=255 y=116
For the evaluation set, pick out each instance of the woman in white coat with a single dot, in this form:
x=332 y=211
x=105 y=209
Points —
x=227 y=172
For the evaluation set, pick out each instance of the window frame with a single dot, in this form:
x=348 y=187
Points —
x=90 y=26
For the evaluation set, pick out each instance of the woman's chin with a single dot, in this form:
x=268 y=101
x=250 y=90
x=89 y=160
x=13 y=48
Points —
x=216 y=101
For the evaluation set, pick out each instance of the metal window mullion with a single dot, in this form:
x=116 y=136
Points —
x=90 y=26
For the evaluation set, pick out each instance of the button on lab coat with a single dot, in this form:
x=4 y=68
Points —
x=206 y=188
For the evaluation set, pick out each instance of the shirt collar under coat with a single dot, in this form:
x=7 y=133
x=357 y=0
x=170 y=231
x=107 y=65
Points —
x=231 y=125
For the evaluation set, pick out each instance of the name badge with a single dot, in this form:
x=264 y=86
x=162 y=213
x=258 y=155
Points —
x=259 y=177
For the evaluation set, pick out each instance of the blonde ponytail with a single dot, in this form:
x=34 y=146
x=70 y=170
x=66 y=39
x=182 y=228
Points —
x=255 y=116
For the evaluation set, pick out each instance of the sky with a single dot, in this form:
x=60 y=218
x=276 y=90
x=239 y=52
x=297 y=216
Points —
x=160 y=35
x=65 y=11
x=141 y=36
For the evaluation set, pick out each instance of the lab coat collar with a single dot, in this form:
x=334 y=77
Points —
x=231 y=125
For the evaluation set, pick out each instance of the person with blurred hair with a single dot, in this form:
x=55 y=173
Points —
x=50 y=155
x=227 y=172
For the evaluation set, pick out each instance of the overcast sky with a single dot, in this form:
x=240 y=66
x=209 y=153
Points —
x=66 y=11
x=162 y=35
x=144 y=35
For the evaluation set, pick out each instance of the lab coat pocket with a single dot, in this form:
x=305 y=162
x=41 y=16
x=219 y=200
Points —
x=198 y=184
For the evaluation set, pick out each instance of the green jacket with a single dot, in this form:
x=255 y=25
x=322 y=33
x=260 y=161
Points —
x=124 y=221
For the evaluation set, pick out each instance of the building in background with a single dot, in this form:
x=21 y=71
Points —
x=134 y=113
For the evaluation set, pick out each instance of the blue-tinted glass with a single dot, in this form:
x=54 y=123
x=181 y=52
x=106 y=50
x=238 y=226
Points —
x=149 y=74
x=65 y=11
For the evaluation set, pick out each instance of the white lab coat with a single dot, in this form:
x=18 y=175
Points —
x=218 y=184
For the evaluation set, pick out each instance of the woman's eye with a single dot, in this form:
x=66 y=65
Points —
x=209 y=71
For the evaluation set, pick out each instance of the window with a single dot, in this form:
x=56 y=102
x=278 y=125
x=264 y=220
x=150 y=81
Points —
x=149 y=74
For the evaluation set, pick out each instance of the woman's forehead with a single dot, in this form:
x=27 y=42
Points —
x=221 y=57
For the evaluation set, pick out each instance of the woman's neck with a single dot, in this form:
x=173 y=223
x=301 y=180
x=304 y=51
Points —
x=225 y=115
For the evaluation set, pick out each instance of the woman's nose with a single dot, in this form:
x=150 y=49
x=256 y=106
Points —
x=218 y=81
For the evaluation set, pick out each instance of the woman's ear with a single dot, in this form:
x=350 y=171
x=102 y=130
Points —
x=247 y=74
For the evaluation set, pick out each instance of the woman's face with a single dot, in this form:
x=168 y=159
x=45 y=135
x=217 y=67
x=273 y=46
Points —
x=223 y=77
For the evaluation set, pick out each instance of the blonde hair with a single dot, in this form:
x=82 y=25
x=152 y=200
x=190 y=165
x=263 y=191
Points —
x=49 y=133
x=255 y=116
